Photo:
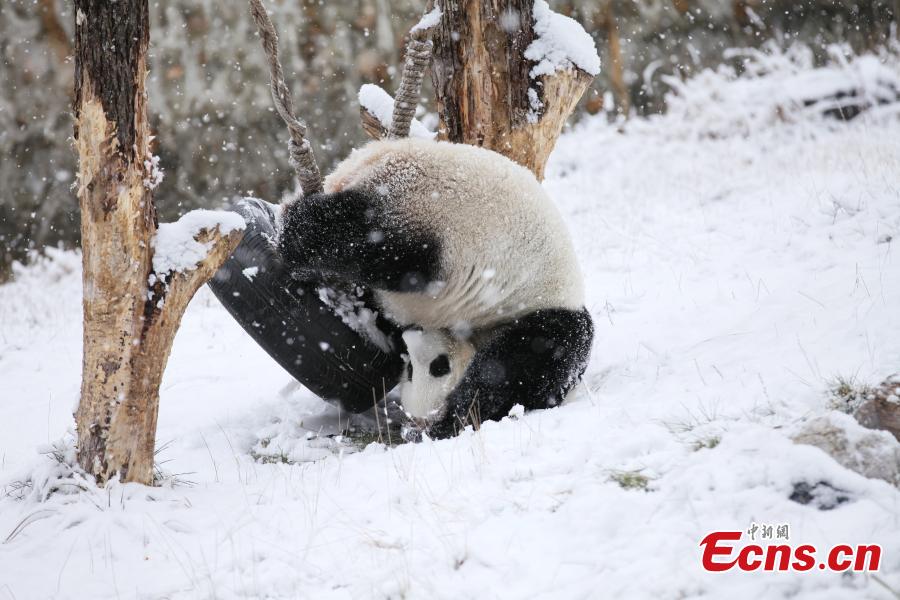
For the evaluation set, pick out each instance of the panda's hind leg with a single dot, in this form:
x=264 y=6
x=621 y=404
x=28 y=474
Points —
x=533 y=361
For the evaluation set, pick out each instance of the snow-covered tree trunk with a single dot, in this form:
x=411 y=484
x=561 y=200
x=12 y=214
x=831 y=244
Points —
x=130 y=313
x=502 y=77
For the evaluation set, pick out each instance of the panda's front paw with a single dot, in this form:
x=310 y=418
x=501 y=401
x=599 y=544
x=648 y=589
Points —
x=454 y=420
x=441 y=430
x=411 y=434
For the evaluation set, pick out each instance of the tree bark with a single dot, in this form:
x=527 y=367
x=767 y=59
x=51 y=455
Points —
x=481 y=80
x=128 y=325
x=373 y=127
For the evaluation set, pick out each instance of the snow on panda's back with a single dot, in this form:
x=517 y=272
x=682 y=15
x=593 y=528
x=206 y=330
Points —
x=505 y=250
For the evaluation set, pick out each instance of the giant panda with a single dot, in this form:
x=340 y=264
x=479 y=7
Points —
x=465 y=251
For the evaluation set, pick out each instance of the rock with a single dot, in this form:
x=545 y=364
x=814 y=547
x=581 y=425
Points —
x=871 y=453
x=880 y=408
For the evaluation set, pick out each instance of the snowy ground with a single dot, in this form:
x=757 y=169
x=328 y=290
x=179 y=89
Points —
x=732 y=278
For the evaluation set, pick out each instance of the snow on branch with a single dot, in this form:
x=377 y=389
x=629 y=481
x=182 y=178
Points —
x=181 y=246
x=561 y=48
x=380 y=107
x=560 y=43
x=428 y=21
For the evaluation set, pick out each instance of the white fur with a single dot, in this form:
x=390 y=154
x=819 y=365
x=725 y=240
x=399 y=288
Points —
x=505 y=249
x=423 y=395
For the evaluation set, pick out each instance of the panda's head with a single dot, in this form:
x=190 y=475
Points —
x=435 y=363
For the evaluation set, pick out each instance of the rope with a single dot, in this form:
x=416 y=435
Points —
x=302 y=158
x=418 y=55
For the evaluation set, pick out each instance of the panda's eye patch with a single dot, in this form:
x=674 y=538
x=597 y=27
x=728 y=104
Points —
x=439 y=366
x=409 y=371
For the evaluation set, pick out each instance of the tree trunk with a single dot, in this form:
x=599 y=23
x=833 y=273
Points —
x=482 y=81
x=617 y=73
x=129 y=324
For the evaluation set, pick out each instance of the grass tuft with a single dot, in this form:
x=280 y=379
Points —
x=708 y=442
x=631 y=480
x=846 y=393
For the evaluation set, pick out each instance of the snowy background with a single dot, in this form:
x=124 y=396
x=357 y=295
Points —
x=217 y=135
x=740 y=256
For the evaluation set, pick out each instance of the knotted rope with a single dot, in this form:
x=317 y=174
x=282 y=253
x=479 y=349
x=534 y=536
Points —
x=418 y=56
x=302 y=158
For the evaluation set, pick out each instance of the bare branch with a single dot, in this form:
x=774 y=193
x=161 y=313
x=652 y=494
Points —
x=373 y=127
x=184 y=284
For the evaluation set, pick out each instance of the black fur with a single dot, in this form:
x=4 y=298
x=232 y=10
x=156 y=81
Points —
x=349 y=236
x=440 y=366
x=288 y=320
x=533 y=361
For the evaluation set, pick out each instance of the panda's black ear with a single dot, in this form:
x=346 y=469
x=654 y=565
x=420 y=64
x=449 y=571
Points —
x=440 y=366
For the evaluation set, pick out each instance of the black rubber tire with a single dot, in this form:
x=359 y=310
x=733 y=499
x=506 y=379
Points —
x=294 y=326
